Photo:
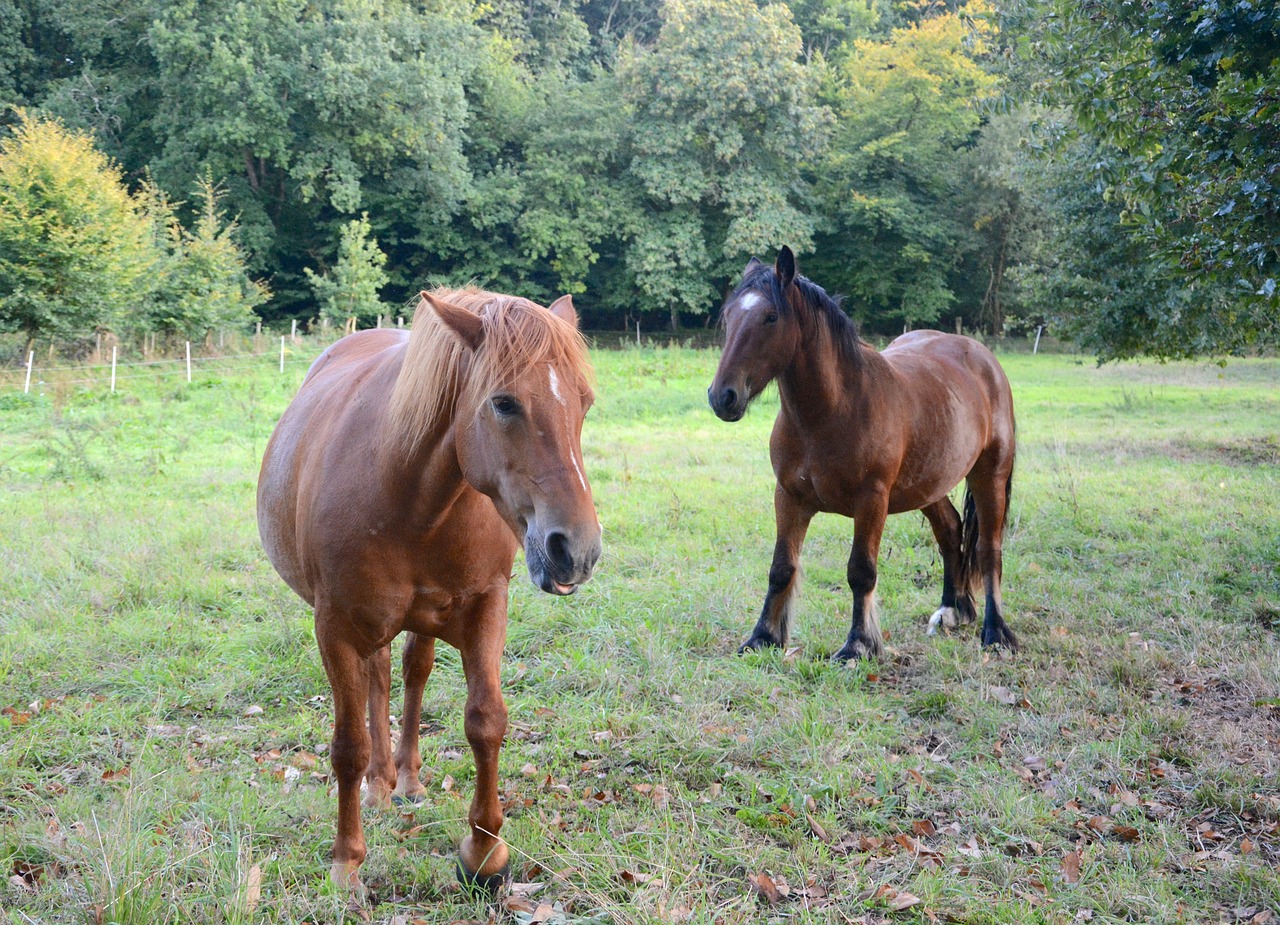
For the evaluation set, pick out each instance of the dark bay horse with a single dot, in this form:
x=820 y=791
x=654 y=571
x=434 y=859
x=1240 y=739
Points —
x=868 y=434
x=393 y=497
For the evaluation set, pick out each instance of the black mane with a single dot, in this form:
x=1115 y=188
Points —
x=844 y=330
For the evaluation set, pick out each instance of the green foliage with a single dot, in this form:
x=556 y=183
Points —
x=892 y=178
x=1181 y=101
x=74 y=245
x=724 y=118
x=350 y=289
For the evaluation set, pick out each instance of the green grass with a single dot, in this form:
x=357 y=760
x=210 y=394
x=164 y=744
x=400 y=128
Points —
x=651 y=775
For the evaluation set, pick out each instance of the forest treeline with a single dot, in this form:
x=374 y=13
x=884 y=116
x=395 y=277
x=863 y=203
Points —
x=1104 y=167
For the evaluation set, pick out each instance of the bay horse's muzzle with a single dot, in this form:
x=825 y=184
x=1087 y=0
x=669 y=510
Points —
x=560 y=560
x=728 y=403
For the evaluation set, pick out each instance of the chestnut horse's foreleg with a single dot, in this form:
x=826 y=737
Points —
x=380 y=776
x=957 y=607
x=419 y=659
x=991 y=499
x=865 y=640
x=774 y=626
x=350 y=749
x=483 y=856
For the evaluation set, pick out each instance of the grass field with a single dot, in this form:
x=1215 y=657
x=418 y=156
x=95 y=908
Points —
x=164 y=715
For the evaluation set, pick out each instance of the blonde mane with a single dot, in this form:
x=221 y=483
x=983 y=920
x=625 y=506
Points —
x=440 y=377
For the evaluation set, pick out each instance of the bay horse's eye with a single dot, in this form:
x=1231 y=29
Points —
x=505 y=406
x=771 y=318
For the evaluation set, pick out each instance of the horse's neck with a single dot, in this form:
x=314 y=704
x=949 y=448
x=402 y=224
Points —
x=428 y=479
x=821 y=379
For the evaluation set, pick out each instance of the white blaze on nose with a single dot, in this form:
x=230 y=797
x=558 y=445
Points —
x=749 y=301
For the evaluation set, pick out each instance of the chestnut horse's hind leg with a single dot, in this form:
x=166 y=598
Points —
x=957 y=607
x=865 y=640
x=774 y=626
x=419 y=659
x=380 y=776
x=349 y=676
x=483 y=856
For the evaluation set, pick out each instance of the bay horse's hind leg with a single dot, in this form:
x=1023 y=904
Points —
x=990 y=504
x=380 y=776
x=865 y=639
x=419 y=658
x=957 y=607
x=773 y=628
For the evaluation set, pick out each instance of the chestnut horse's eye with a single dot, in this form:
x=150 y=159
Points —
x=505 y=406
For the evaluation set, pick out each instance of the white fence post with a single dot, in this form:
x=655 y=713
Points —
x=113 y=367
x=281 y=353
x=1036 y=348
x=188 y=362
x=31 y=358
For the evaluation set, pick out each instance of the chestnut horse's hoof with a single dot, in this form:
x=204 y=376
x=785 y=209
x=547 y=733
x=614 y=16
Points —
x=407 y=799
x=488 y=884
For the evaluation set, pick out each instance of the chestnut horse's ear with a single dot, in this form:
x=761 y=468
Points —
x=786 y=266
x=751 y=265
x=562 y=308
x=468 y=326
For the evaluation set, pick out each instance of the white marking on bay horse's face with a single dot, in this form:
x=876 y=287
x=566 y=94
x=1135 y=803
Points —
x=555 y=384
x=749 y=301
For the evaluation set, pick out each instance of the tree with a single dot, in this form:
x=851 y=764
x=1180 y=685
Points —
x=200 y=283
x=1180 y=102
x=892 y=178
x=350 y=289
x=723 y=118
x=74 y=246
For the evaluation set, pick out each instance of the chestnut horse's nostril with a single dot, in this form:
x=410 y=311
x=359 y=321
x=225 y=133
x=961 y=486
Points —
x=559 y=553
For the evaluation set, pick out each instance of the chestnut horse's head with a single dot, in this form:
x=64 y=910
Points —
x=762 y=335
x=521 y=392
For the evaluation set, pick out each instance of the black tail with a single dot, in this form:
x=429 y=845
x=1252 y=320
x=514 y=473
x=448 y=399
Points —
x=968 y=575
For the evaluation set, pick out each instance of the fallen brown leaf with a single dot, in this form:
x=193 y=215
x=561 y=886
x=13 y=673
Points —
x=1071 y=866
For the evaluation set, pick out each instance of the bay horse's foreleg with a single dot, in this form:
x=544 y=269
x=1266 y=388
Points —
x=865 y=639
x=957 y=607
x=419 y=658
x=483 y=856
x=350 y=749
x=380 y=776
x=774 y=626
x=991 y=499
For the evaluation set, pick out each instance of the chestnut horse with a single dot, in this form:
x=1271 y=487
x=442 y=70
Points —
x=868 y=434
x=393 y=496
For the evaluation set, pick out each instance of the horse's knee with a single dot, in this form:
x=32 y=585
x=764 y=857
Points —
x=781 y=574
x=486 y=723
x=861 y=575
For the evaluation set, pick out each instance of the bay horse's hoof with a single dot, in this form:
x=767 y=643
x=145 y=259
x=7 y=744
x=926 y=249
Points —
x=487 y=884
x=857 y=651
x=999 y=636
x=757 y=643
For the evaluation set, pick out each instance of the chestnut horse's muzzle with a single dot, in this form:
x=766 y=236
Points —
x=561 y=559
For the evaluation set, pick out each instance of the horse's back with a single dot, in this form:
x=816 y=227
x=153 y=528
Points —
x=959 y=418
x=959 y=364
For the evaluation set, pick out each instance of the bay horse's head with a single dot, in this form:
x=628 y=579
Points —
x=522 y=392
x=762 y=335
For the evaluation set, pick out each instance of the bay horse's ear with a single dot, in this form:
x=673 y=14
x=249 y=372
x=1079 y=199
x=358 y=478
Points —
x=468 y=326
x=563 y=309
x=751 y=265
x=786 y=266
